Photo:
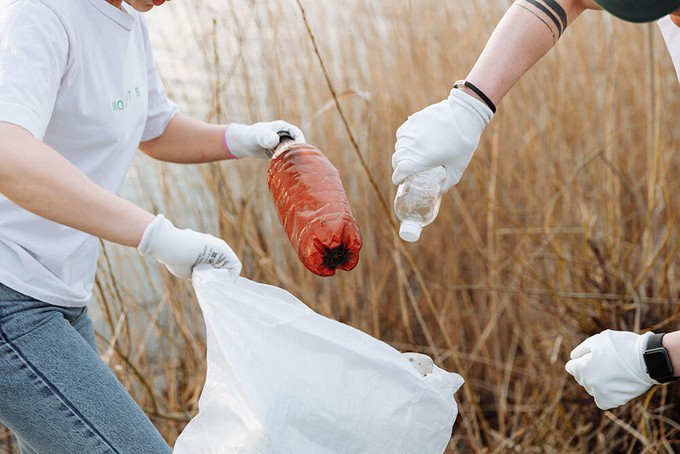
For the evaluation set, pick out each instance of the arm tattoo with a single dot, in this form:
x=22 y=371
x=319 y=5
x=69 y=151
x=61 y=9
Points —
x=548 y=10
x=552 y=32
x=559 y=11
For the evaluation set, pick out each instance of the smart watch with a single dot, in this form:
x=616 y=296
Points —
x=659 y=366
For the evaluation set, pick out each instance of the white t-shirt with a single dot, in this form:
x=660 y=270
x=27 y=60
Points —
x=78 y=75
x=671 y=34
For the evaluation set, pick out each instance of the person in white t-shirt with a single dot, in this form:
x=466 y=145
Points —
x=79 y=94
x=612 y=366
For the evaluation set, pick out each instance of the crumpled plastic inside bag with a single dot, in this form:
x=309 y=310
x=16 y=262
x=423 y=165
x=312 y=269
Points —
x=284 y=379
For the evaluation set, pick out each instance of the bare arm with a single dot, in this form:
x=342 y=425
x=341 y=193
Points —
x=188 y=141
x=671 y=342
x=40 y=180
x=524 y=35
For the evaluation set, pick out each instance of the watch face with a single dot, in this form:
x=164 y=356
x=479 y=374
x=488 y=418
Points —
x=658 y=363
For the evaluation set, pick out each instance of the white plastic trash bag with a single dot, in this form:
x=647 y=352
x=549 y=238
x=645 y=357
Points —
x=284 y=379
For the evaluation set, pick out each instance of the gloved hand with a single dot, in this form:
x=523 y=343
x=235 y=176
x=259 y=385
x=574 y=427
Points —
x=256 y=139
x=610 y=367
x=181 y=250
x=443 y=134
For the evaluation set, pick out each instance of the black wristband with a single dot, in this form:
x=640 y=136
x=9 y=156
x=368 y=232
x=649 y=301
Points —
x=478 y=92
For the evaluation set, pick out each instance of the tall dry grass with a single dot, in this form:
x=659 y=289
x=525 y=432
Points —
x=565 y=223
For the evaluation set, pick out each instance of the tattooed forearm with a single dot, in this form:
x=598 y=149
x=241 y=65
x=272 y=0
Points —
x=549 y=12
x=552 y=32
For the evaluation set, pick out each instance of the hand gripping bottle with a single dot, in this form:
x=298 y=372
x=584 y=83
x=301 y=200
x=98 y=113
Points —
x=417 y=201
x=313 y=208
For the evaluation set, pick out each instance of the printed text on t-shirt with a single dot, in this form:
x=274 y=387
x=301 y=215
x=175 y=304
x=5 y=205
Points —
x=122 y=103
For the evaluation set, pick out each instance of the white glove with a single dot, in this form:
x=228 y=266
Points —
x=257 y=139
x=181 y=250
x=443 y=134
x=610 y=367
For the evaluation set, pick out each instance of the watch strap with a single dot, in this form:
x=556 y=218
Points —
x=655 y=341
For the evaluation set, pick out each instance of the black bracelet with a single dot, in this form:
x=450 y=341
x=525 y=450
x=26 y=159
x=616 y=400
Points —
x=480 y=93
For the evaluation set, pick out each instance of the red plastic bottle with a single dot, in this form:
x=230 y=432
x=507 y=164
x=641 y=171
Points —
x=313 y=208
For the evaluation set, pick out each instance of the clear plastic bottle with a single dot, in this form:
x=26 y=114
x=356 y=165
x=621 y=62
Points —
x=417 y=202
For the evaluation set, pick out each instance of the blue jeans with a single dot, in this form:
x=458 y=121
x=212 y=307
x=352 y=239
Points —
x=56 y=394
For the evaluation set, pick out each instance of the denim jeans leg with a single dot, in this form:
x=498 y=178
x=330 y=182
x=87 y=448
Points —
x=56 y=394
x=83 y=324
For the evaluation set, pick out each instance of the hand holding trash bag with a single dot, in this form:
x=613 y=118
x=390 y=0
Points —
x=181 y=250
x=283 y=379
